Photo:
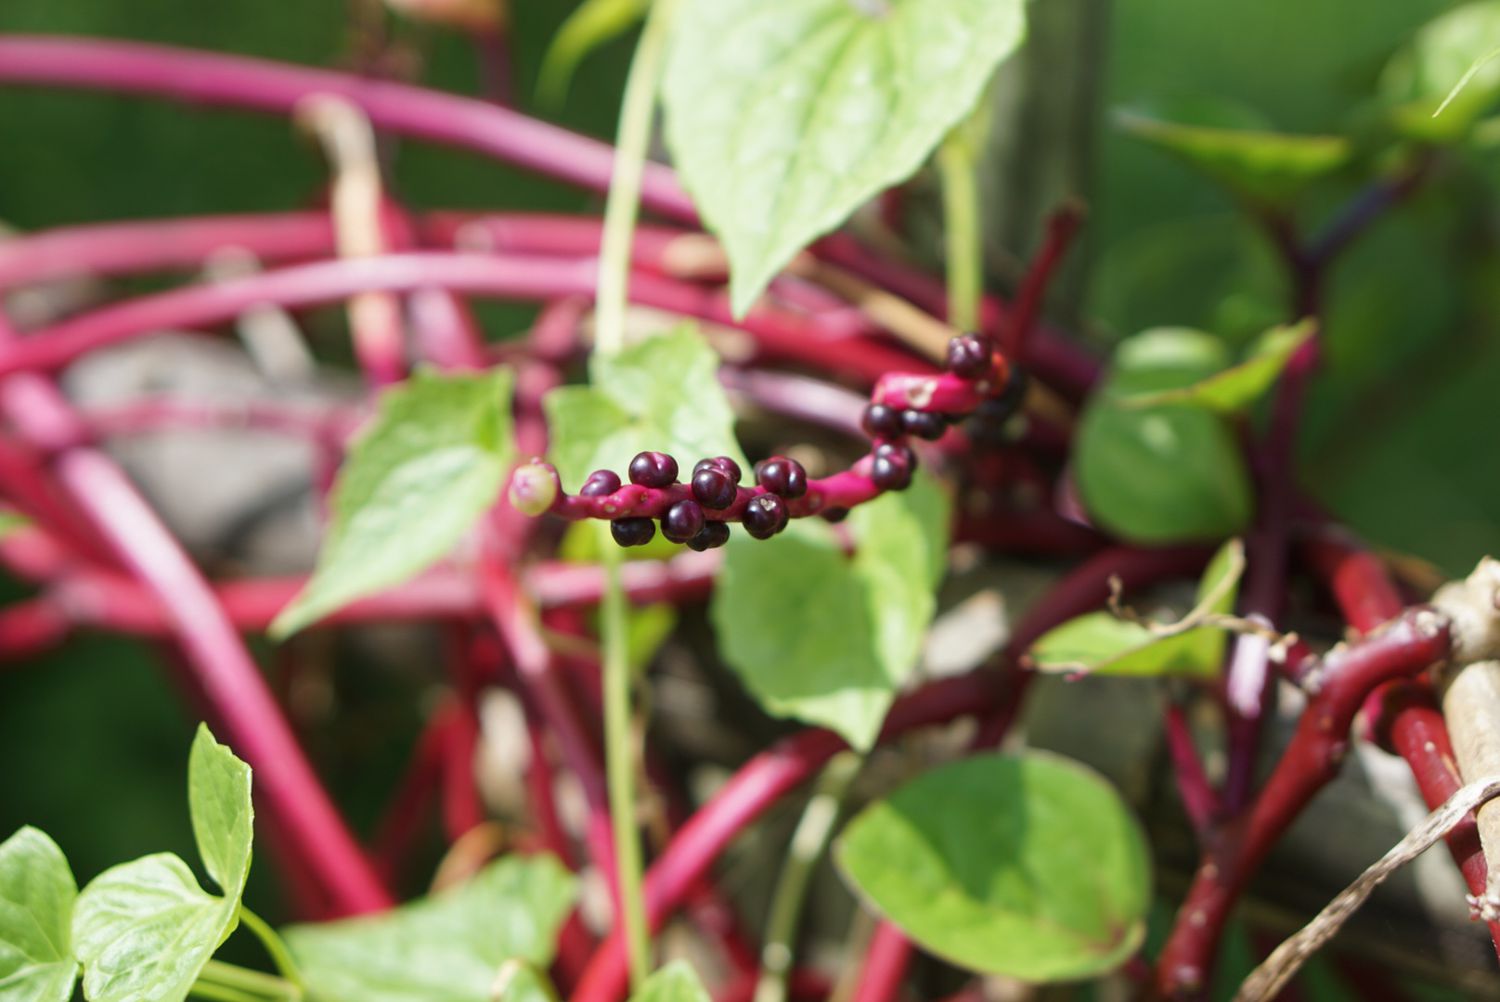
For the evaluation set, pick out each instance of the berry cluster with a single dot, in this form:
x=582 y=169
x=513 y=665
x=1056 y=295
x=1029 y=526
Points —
x=714 y=490
x=977 y=382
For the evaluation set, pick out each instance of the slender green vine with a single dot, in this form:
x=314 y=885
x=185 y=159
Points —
x=620 y=213
x=958 y=163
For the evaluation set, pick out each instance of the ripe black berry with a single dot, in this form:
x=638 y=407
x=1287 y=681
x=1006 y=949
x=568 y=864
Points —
x=783 y=476
x=713 y=487
x=765 y=516
x=713 y=534
x=990 y=417
x=632 y=531
x=723 y=464
x=600 y=483
x=653 y=469
x=892 y=467
x=880 y=421
x=836 y=514
x=683 y=521
x=969 y=356
x=924 y=424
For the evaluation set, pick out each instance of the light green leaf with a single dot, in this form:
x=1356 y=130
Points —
x=432 y=462
x=1234 y=389
x=1028 y=866
x=446 y=948
x=591 y=25
x=1102 y=643
x=829 y=639
x=1270 y=167
x=222 y=811
x=1448 y=67
x=36 y=911
x=1166 y=473
x=662 y=394
x=783 y=116
x=519 y=981
x=144 y=929
x=677 y=982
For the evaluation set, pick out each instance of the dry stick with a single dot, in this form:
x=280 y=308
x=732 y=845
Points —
x=1268 y=979
x=349 y=142
x=1471 y=708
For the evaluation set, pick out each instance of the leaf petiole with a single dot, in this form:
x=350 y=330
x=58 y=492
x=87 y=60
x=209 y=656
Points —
x=276 y=947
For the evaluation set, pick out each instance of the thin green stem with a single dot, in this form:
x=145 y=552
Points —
x=808 y=842
x=275 y=946
x=220 y=993
x=620 y=213
x=958 y=166
x=623 y=205
x=620 y=762
x=219 y=976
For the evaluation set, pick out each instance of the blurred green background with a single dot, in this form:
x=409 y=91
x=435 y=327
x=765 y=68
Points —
x=1397 y=437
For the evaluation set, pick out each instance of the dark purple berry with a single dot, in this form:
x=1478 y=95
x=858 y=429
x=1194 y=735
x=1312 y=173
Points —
x=924 y=424
x=969 y=356
x=713 y=488
x=683 y=521
x=713 y=534
x=892 y=468
x=600 y=483
x=765 y=516
x=990 y=417
x=723 y=464
x=880 y=421
x=836 y=514
x=632 y=531
x=783 y=476
x=653 y=469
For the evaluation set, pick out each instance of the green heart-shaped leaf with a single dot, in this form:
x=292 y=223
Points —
x=144 y=929
x=36 y=911
x=1028 y=866
x=432 y=462
x=446 y=948
x=827 y=638
x=783 y=116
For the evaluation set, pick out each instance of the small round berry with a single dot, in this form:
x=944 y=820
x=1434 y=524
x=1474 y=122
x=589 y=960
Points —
x=924 y=424
x=989 y=420
x=653 y=469
x=765 y=516
x=712 y=535
x=836 y=514
x=713 y=488
x=632 y=531
x=880 y=421
x=533 y=488
x=683 y=521
x=600 y=483
x=783 y=476
x=892 y=469
x=723 y=464
x=969 y=356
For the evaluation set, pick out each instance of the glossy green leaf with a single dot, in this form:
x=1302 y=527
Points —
x=661 y=394
x=1165 y=473
x=1262 y=166
x=1234 y=389
x=827 y=638
x=1102 y=643
x=591 y=25
x=676 y=982
x=1449 y=66
x=446 y=948
x=143 y=930
x=1028 y=866
x=783 y=116
x=433 y=460
x=36 y=912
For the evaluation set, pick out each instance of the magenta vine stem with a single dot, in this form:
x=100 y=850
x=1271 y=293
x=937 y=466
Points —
x=1409 y=645
x=221 y=666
